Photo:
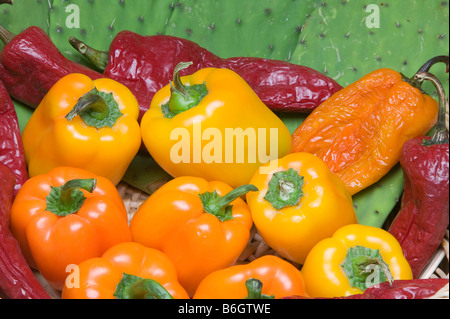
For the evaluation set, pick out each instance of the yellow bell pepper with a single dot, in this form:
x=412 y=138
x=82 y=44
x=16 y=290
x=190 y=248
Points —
x=212 y=125
x=86 y=124
x=299 y=202
x=353 y=259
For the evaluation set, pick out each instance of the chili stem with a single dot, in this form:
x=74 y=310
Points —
x=5 y=35
x=441 y=134
x=98 y=58
x=427 y=66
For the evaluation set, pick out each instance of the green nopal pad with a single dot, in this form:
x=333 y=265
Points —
x=17 y=17
x=341 y=38
x=262 y=28
x=101 y=20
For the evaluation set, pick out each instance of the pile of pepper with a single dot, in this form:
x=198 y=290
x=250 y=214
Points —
x=62 y=215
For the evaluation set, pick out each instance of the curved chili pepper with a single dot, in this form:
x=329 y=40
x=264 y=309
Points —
x=423 y=218
x=16 y=278
x=30 y=64
x=11 y=147
x=400 y=289
x=145 y=64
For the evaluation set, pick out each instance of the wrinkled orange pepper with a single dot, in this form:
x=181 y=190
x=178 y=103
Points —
x=201 y=226
x=125 y=271
x=278 y=277
x=65 y=217
x=360 y=130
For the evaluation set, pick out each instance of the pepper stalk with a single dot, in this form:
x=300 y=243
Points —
x=68 y=198
x=219 y=206
x=135 y=287
x=441 y=129
x=97 y=109
x=365 y=267
x=5 y=35
x=183 y=97
x=98 y=58
x=285 y=189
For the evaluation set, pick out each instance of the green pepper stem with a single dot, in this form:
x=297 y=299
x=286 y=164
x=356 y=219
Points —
x=285 y=189
x=233 y=195
x=254 y=289
x=362 y=267
x=90 y=101
x=5 y=35
x=68 y=198
x=220 y=206
x=177 y=84
x=134 y=287
x=441 y=132
x=98 y=58
x=96 y=108
x=183 y=98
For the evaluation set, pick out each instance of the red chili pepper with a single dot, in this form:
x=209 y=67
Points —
x=16 y=278
x=11 y=148
x=401 y=289
x=30 y=64
x=423 y=218
x=146 y=63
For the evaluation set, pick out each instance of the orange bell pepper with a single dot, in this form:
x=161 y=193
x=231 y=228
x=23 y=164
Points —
x=84 y=123
x=201 y=226
x=125 y=271
x=65 y=217
x=278 y=277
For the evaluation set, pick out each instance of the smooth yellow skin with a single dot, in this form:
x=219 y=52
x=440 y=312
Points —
x=50 y=140
x=326 y=206
x=323 y=274
x=229 y=104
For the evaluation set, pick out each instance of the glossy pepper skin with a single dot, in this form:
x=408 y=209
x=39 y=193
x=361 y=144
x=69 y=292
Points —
x=99 y=277
x=53 y=234
x=279 y=279
x=17 y=281
x=199 y=233
x=359 y=131
x=30 y=64
x=323 y=270
x=11 y=146
x=52 y=139
x=198 y=140
x=299 y=203
x=423 y=217
x=430 y=288
x=282 y=86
